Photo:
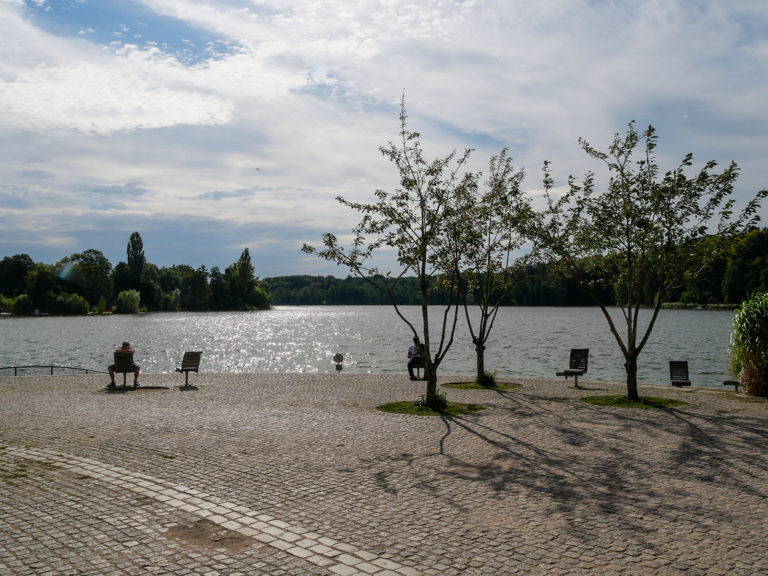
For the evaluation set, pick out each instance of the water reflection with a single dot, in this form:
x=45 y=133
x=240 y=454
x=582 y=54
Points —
x=530 y=342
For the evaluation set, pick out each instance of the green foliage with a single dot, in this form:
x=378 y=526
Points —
x=749 y=345
x=6 y=304
x=485 y=229
x=747 y=268
x=23 y=306
x=128 y=302
x=101 y=306
x=14 y=271
x=619 y=401
x=135 y=258
x=413 y=223
x=74 y=304
x=475 y=386
x=648 y=229
x=419 y=408
x=486 y=380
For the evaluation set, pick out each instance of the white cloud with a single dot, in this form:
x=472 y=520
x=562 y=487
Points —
x=308 y=92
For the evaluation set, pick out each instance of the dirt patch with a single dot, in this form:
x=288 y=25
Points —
x=206 y=534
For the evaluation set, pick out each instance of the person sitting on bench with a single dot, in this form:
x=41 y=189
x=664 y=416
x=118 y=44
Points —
x=414 y=357
x=124 y=349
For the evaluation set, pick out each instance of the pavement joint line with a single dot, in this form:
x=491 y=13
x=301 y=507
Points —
x=322 y=551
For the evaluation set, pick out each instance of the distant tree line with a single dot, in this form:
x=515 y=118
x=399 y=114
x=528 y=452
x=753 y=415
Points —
x=87 y=282
x=727 y=280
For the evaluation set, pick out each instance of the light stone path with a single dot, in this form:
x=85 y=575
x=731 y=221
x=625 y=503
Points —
x=338 y=557
x=299 y=474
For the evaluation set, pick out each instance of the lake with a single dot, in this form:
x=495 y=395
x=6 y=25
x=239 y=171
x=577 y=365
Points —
x=525 y=342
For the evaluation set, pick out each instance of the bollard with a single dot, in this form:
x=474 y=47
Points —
x=339 y=359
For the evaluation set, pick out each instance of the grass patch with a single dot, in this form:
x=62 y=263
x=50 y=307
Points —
x=622 y=402
x=474 y=386
x=410 y=407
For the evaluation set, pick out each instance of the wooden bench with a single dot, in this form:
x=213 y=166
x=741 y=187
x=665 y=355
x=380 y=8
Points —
x=189 y=363
x=678 y=373
x=577 y=365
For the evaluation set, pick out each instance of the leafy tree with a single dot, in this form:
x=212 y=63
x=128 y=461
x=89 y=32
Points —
x=121 y=279
x=136 y=258
x=13 y=274
x=149 y=288
x=483 y=246
x=196 y=292
x=412 y=222
x=128 y=302
x=90 y=273
x=240 y=280
x=219 y=298
x=639 y=224
x=747 y=269
x=245 y=291
x=43 y=287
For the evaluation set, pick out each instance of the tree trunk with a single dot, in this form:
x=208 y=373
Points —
x=480 y=352
x=631 y=366
x=432 y=401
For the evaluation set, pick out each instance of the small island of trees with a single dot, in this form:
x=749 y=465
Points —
x=86 y=282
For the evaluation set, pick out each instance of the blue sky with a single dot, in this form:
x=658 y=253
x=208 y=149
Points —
x=211 y=127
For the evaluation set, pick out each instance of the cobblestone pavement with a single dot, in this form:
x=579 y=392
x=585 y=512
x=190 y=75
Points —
x=294 y=474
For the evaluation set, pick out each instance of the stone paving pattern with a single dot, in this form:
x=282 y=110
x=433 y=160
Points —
x=294 y=474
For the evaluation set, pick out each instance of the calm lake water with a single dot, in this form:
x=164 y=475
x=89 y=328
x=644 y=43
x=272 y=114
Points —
x=532 y=342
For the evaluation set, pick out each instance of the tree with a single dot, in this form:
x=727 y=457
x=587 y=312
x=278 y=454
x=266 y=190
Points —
x=240 y=280
x=483 y=246
x=13 y=274
x=128 y=302
x=412 y=222
x=220 y=298
x=747 y=268
x=643 y=227
x=90 y=273
x=135 y=259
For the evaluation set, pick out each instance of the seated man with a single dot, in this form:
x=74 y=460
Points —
x=124 y=349
x=414 y=357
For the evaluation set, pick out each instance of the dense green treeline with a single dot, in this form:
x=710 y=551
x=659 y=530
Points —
x=729 y=279
x=87 y=282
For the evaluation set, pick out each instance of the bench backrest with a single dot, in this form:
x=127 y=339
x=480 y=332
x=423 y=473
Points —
x=191 y=361
x=123 y=362
x=678 y=370
x=579 y=359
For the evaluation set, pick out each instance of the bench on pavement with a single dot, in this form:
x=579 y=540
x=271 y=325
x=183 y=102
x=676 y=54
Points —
x=189 y=363
x=678 y=373
x=577 y=365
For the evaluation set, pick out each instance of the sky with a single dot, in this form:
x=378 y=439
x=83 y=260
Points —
x=209 y=127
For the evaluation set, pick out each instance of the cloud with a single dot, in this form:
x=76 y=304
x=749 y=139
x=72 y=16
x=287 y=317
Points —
x=250 y=118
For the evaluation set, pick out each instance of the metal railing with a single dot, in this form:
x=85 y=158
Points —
x=52 y=367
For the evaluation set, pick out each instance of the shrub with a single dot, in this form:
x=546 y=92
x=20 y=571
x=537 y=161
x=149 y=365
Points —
x=487 y=380
x=6 y=304
x=749 y=345
x=76 y=304
x=22 y=306
x=128 y=302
